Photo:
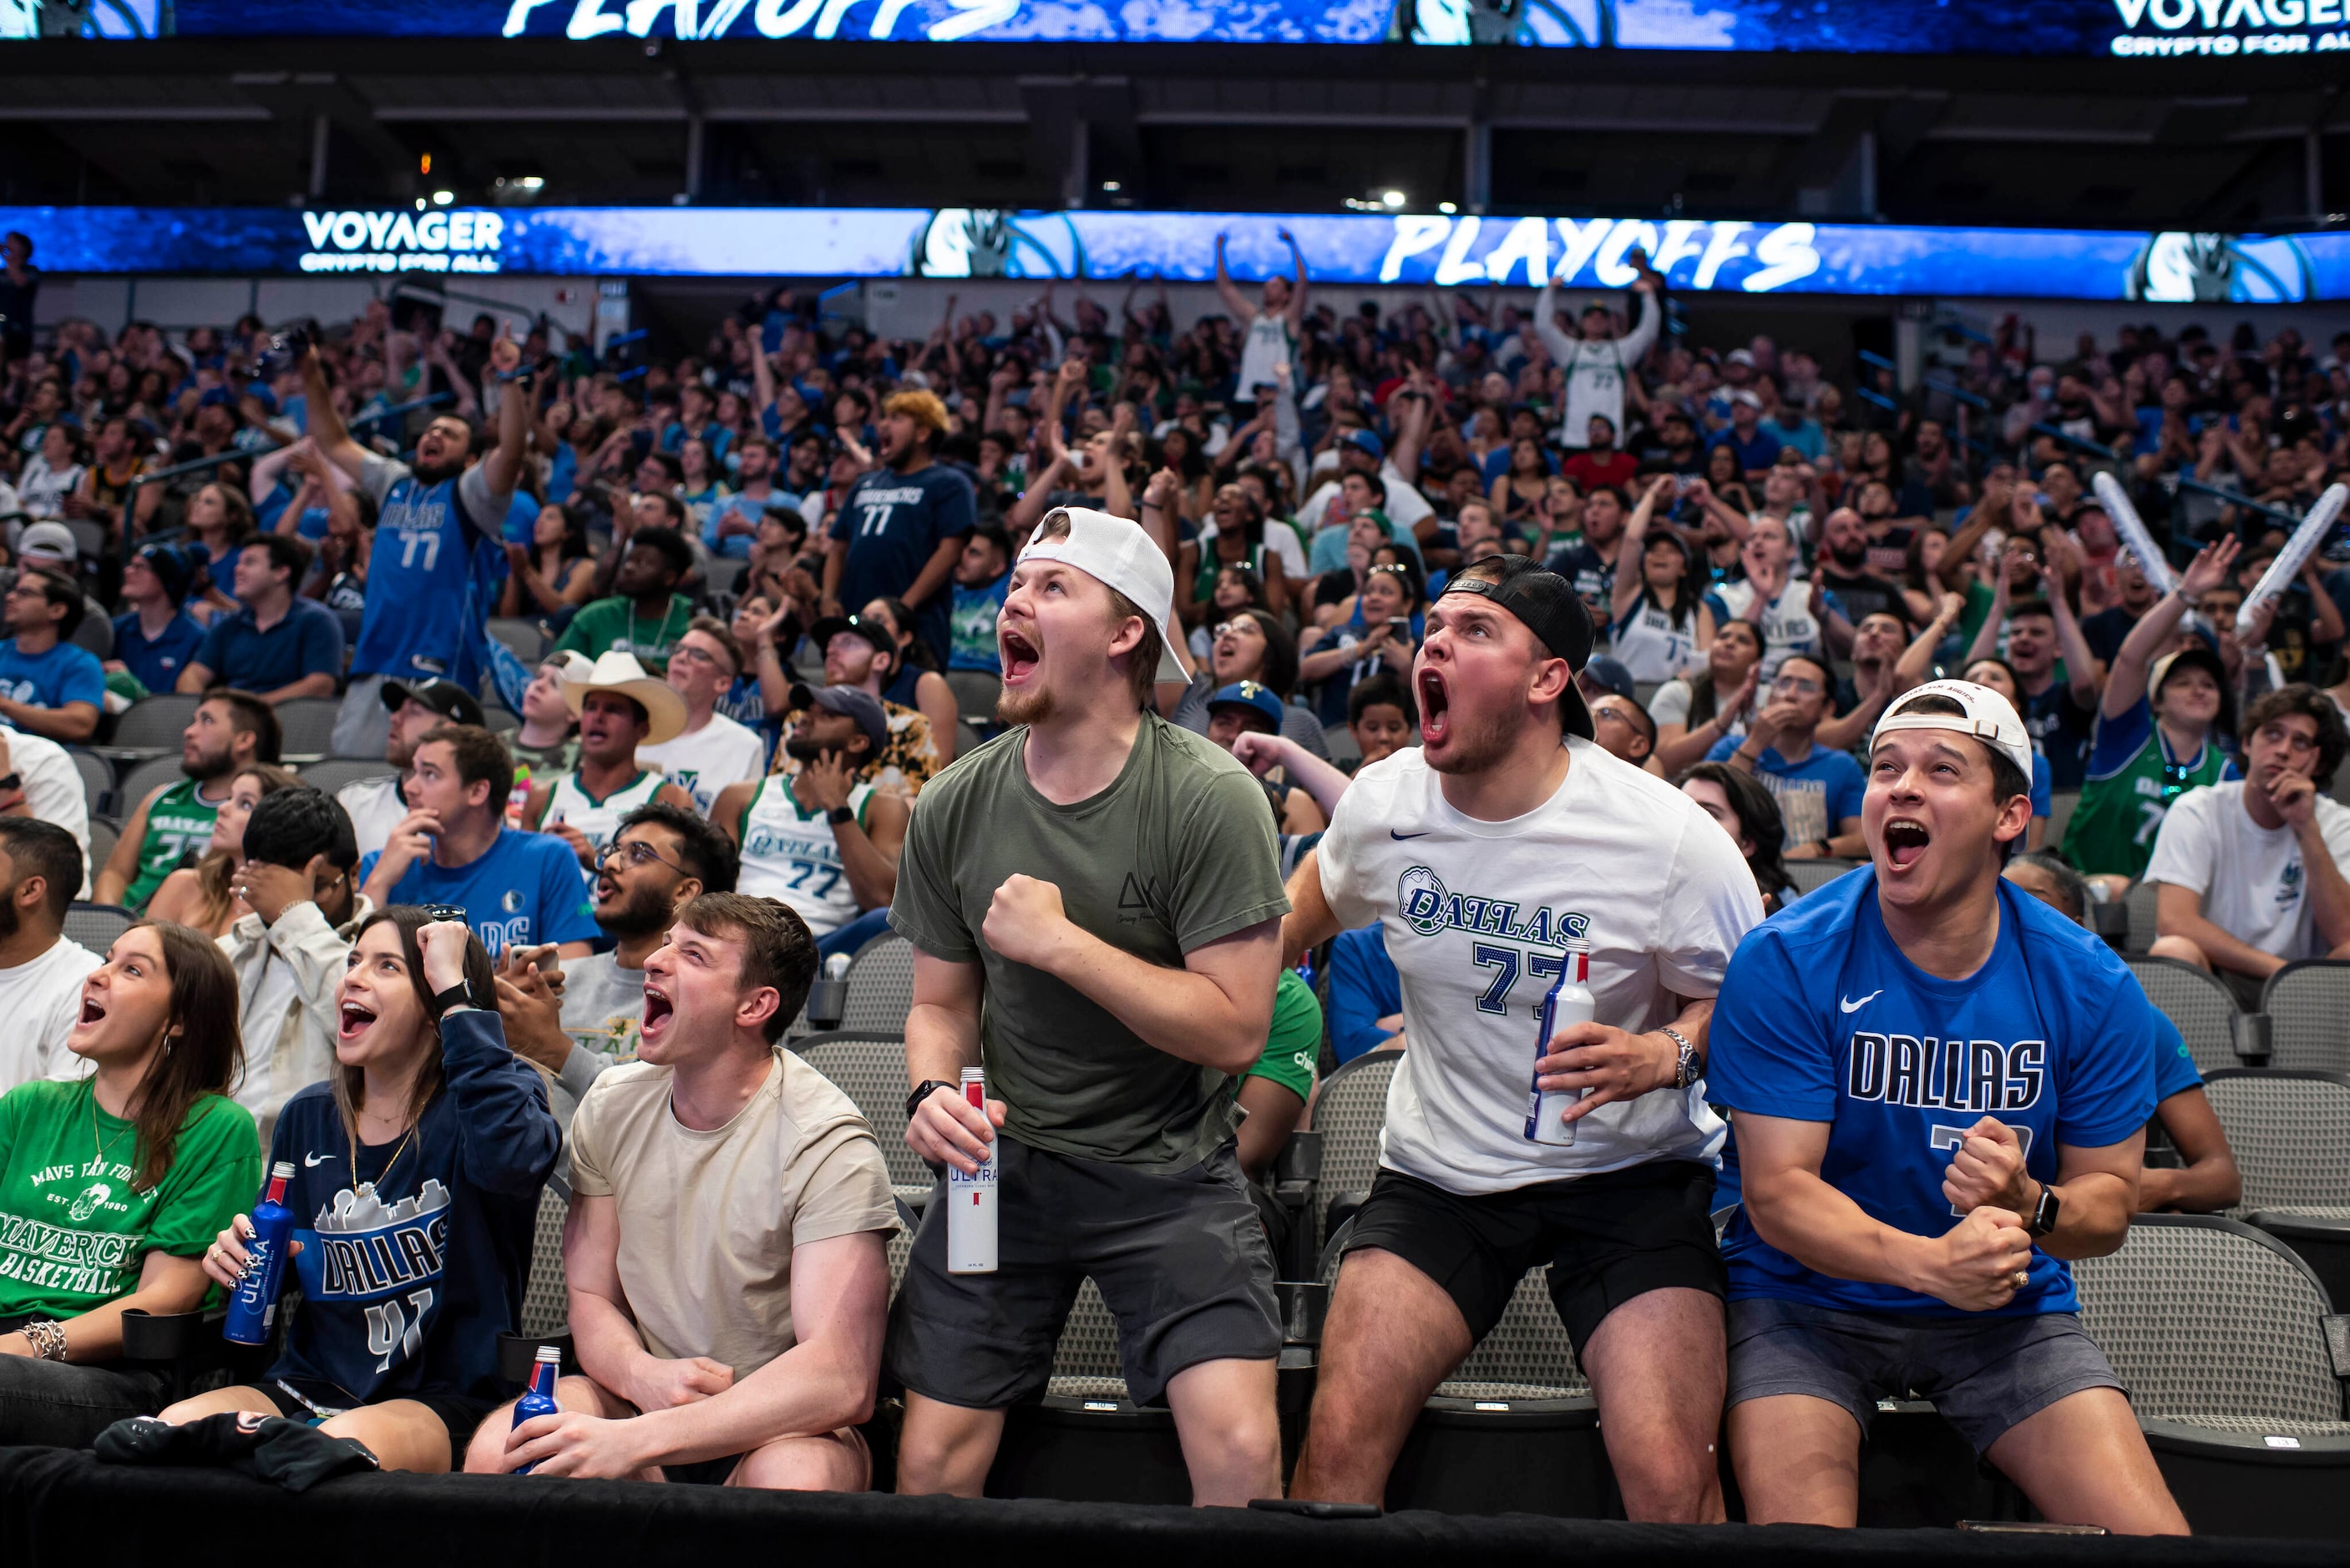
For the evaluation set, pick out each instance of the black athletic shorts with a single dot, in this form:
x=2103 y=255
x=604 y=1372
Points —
x=459 y=1413
x=1180 y=1257
x=1607 y=1238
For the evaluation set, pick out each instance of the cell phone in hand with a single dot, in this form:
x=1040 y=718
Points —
x=1401 y=625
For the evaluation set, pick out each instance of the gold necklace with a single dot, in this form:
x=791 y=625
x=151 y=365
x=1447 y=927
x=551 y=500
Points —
x=99 y=1151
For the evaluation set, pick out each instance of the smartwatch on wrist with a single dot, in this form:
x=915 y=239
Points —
x=924 y=1091
x=2043 y=1213
x=457 y=995
x=841 y=816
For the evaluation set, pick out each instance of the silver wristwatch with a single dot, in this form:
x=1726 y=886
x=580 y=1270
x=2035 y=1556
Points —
x=1686 y=1070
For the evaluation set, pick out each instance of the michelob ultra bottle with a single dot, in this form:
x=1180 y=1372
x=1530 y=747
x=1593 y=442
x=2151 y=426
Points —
x=253 y=1307
x=971 y=1200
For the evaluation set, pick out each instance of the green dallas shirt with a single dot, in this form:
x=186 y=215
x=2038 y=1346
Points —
x=615 y=624
x=180 y=820
x=74 y=1232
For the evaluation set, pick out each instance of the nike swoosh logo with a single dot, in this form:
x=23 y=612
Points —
x=1422 y=834
x=312 y=1160
x=1864 y=1002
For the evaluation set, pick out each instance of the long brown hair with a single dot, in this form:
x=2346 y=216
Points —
x=215 y=870
x=205 y=1056
x=480 y=979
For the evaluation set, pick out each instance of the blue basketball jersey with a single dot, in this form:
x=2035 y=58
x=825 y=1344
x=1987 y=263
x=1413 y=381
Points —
x=1823 y=1019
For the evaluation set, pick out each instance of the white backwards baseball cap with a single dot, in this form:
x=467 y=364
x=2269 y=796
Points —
x=1985 y=714
x=1116 y=552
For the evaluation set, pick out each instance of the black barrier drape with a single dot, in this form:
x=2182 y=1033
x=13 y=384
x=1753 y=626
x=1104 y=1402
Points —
x=65 y=1510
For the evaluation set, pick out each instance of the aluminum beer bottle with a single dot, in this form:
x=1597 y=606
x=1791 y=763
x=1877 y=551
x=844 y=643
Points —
x=971 y=1200
x=1568 y=1003
x=538 y=1399
x=252 y=1306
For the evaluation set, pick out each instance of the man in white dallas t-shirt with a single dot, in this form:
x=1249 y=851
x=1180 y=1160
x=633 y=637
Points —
x=712 y=751
x=40 y=970
x=2250 y=873
x=1482 y=853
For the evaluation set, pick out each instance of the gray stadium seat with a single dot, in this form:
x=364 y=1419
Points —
x=524 y=636
x=1809 y=876
x=966 y=739
x=97 y=778
x=2060 y=814
x=154 y=723
x=2308 y=1005
x=545 y=1304
x=309 y=726
x=335 y=772
x=103 y=836
x=2290 y=1132
x=501 y=721
x=141 y=780
x=868 y=1066
x=2141 y=903
x=975 y=692
x=880 y=985
x=1348 y=1110
x=95 y=925
x=2199 y=1003
x=2235 y=1371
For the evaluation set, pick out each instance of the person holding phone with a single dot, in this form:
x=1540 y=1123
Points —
x=1382 y=633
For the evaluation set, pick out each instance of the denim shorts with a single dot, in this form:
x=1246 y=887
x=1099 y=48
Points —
x=1984 y=1374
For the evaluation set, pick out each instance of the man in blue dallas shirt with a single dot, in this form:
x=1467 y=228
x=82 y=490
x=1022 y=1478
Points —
x=517 y=889
x=1939 y=1088
x=438 y=547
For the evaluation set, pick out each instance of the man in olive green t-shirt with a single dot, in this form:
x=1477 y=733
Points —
x=1107 y=882
x=228 y=731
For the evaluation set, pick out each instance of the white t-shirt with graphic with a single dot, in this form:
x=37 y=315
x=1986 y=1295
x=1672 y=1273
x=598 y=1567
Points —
x=705 y=761
x=2253 y=882
x=1475 y=915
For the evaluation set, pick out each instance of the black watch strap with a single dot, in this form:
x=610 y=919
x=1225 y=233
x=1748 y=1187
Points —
x=456 y=996
x=2043 y=1213
x=922 y=1091
x=841 y=816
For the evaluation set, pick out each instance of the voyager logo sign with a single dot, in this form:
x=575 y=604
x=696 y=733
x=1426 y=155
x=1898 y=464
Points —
x=437 y=241
x=2161 y=28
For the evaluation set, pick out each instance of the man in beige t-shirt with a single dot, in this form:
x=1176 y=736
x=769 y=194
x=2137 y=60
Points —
x=725 y=1246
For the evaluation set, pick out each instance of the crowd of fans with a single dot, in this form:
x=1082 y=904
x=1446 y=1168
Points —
x=765 y=580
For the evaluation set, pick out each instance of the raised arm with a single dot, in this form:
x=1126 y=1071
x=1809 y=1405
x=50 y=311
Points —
x=1296 y=313
x=1916 y=665
x=1988 y=510
x=2126 y=682
x=2080 y=664
x=1560 y=347
x=1310 y=921
x=1628 y=573
x=327 y=431
x=1234 y=300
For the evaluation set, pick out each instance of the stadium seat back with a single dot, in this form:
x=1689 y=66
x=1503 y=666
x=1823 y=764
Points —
x=2290 y=1132
x=868 y=1066
x=975 y=691
x=1809 y=876
x=337 y=773
x=2309 y=1006
x=1350 y=1108
x=155 y=722
x=1527 y=1357
x=141 y=780
x=97 y=778
x=546 y=1303
x=521 y=636
x=880 y=987
x=307 y=725
x=1085 y=1362
x=2141 y=903
x=102 y=840
x=2211 y=1323
x=95 y=925
x=2061 y=804
x=2199 y=1003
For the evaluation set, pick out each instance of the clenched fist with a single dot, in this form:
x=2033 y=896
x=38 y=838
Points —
x=1025 y=922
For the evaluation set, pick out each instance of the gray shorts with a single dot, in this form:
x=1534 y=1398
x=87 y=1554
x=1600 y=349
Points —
x=1180 y=1258
x=1984 y=1374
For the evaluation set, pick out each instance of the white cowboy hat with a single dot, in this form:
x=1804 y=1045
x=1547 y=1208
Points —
x=621 y=672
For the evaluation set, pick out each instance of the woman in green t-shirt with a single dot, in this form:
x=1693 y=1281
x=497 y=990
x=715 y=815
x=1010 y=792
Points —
x=111 y=1188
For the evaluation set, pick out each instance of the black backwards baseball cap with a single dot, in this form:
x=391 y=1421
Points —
x=1551 y=610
